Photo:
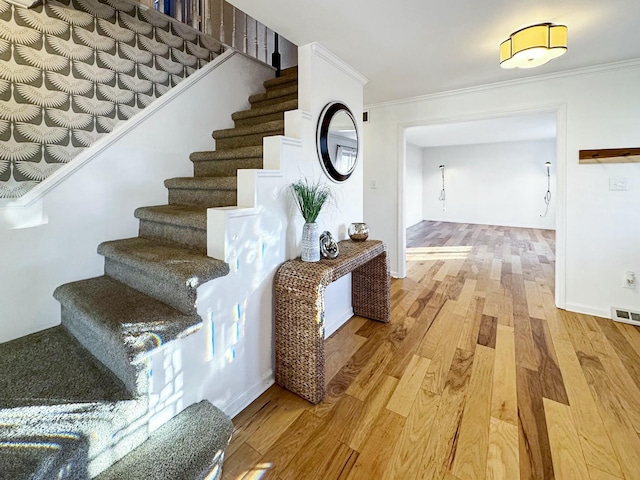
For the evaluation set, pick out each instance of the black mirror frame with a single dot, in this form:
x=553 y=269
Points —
x=329 y=111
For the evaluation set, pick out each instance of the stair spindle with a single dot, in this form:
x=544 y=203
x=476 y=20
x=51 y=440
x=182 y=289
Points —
x=266 y=45
x=233 y=33
x=222 y=21
x=246 y=30
x=255 y=40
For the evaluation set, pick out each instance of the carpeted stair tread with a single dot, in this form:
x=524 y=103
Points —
x=274 y=93
x=43 y=457
x=180 y=225
x=266 y=127
x=273 y=101
x=180 y=215
x=208 y=168
x=140 y=323
x=289 y=71
x=202 y=183
x=227 y=154
x=50 y=368
x=164 y=262
x=264 y=111
x=206 y=191
x=189 y=446
x=280 y=81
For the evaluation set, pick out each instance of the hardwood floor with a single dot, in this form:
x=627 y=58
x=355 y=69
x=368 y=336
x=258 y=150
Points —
x=477 y=376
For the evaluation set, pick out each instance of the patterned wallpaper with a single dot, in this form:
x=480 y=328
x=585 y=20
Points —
x=71 y=70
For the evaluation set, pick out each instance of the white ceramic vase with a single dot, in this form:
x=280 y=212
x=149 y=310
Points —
x=310 y=243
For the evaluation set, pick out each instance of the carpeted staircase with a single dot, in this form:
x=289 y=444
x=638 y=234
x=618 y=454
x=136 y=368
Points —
x=74 y=399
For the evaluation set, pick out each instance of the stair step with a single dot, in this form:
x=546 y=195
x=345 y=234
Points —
x=189 y=446
x=43 y=457
x=274 y=93
x=51 y=368
x=248 y=130
x=274 y=101
x=289 y=71
x=280 y=81
x=112 y=430
x=281 y=91
x=166 y=273
x=213 y=167
x=247 y=136
x=180 y=225
x=227 y=154
x=119 y=325
x=259 y=112
x=202 y=191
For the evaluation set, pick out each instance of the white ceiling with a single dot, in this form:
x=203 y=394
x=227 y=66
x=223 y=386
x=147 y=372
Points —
x=417 y=47
x=536 y=126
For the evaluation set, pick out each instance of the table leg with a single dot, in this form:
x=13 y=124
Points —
x=371 y=289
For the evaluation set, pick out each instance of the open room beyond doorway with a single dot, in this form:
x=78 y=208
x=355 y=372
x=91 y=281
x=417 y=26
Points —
x=498 y=171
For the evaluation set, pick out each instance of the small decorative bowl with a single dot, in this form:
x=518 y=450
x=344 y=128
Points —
x=358 y=232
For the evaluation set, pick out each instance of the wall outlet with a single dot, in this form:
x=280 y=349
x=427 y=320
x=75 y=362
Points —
x=618 y=184
x=629 y=280
x=373 y=184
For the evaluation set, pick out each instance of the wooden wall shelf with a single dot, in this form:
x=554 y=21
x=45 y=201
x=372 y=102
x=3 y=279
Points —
x=610 y=155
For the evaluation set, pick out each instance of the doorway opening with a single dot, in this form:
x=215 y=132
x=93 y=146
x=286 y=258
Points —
x=480 y=198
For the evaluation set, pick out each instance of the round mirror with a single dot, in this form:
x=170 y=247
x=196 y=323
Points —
x=337 y=141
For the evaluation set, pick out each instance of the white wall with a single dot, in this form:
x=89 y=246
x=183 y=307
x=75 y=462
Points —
x=413 y=191
x=96 y=202
x=490 y=184
x=231 y=360
x=598 y=227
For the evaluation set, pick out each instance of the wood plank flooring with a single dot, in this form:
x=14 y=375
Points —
x=477 y=376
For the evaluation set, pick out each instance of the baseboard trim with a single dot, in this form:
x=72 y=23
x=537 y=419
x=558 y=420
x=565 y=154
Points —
x=242 y=401
x=588 y=310
x=331 y=328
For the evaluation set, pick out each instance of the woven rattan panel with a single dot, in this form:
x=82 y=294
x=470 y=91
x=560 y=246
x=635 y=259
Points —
x=299 y=298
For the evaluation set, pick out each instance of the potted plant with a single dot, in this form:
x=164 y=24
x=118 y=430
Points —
x=310 y=198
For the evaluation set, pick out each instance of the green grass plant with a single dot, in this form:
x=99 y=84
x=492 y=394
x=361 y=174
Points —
x=310 y=198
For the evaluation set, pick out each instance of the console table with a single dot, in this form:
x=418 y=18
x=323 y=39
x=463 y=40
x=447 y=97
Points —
x=299 y=309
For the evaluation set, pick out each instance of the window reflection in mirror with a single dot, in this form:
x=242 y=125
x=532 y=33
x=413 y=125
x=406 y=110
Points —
x=337 y=141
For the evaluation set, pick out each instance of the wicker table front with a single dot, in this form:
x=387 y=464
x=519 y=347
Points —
x=299 y=299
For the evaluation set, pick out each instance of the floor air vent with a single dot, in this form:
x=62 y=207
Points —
x=625 y=316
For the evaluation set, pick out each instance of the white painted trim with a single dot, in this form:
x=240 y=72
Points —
x=561 y=207
x=334 y=326
x=561 y=184
x=402 y=221
x=236 y=405
x=337 y=62
x=606 y=67
x=588 y=310
x=394 y=274
x=121 y=129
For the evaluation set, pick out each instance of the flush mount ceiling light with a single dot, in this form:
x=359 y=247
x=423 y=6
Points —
x=533 y=46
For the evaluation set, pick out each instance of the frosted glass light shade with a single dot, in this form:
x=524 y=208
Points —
x=533 y=46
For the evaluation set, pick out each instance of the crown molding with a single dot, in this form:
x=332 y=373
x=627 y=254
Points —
x=605 y=67
x=337 y=62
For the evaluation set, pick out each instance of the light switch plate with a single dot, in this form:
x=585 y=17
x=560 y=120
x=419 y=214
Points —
x=618 y=184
